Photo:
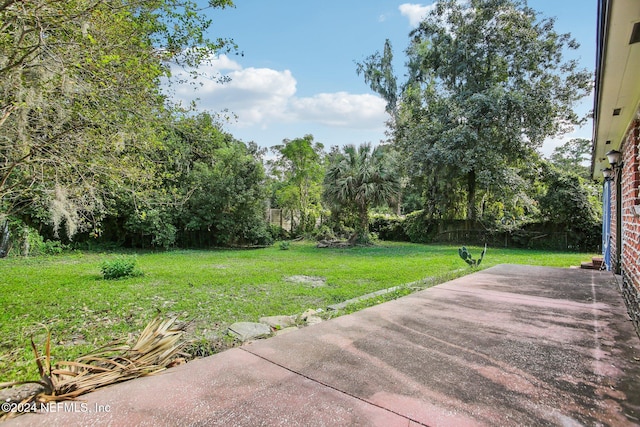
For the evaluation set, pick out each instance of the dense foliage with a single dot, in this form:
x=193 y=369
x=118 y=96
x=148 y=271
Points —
x=81 y=98
x=358 y=179
x=487 y=84
x=92 y=150
x=298 y=171
x=88 y=141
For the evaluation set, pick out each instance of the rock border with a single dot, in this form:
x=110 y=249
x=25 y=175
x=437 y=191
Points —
x=273 y=325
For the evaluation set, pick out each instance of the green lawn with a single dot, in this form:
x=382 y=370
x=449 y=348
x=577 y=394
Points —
x=209 y=289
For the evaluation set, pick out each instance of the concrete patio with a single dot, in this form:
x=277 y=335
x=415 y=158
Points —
x=511 y=345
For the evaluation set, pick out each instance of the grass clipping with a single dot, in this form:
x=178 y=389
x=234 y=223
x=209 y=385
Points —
x=156 y=349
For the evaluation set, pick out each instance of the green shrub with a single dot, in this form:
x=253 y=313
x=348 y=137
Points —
x=388 y=227
x=419 y=228
x=284 y=245
x=26 y=241
x=256 y=233
x=120 y=267
x=324 y=232
x=277 y=232
x=53 y=247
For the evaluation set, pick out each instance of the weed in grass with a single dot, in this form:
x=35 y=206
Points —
x=204 y=346
x=285 y=245
x=201 y=347
x=120 y=267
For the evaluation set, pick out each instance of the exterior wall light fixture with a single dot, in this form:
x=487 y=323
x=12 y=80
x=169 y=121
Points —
x=614 y=157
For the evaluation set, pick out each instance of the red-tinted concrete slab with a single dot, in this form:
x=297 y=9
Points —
x=233 y=388
x=511 y=345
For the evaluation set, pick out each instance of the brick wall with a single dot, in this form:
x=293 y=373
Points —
x=630 y=222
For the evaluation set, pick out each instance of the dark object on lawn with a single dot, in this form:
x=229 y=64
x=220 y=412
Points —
x=466 y=256
x=334 y=244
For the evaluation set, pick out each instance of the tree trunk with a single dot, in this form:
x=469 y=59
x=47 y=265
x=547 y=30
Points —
x=471 y=195
x=4 y=238
x=363 y=232
x=26 y=246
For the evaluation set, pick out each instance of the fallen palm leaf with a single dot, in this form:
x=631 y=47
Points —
x=156 y=348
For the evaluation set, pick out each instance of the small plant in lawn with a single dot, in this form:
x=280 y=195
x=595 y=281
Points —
x=201 y=347
x=53 y=247
x=120 y=267
x=466 y=256
x=284 y=245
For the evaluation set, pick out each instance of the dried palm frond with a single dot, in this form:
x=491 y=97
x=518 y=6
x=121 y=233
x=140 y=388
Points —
x=156 y=348
x=157 y=345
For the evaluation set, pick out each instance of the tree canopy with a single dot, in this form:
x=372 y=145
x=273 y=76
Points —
x=91 y=144
x=359 y=179
x=574 y=156
x=488 y=82
x=80 y=98
x=300 y=170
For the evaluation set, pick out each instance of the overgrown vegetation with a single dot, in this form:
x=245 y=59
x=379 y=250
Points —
x=82 y=110
x=209 y=290
x=120 y=267
x=488 y=82
x=92 y=153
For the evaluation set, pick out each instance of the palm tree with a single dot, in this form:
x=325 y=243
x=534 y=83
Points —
x=360 y=179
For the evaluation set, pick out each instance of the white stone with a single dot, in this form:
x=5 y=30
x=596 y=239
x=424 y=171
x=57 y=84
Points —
x=279 y=322
x=313 y=320
x=245 y=331
x=306 y=314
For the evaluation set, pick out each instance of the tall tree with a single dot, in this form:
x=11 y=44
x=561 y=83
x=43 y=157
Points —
x=300 y=164
x=228 y=201
x=210 y=192
x=487 y=84
x=378 y=73
x=573 y=156
x=568 y=201
x=361 y=178
x=80 y=97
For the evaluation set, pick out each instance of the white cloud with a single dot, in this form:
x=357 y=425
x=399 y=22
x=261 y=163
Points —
x=255 y=95
x=415 y=12
x=264 y=97
x=223 y=62
x=341 y=109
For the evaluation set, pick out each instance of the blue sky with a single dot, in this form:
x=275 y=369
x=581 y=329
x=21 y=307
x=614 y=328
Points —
x=297 y=74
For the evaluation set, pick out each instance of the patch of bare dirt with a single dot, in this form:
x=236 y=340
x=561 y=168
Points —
x=312 y=281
